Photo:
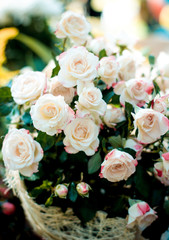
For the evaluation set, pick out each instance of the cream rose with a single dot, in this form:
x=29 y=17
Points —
x=77 y=64
x=134 y=91
x=20 y=152
x=56 y=89
x=113 y=116
x=141 y=214
x=51 y=114
x=74 y=26
x=90 y=101
x=127 y=66
x=81 y=135
x=108 y=70
x=151 y=125
x=28 y=86
x=118 y=166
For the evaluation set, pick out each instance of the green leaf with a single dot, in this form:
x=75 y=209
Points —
x=156 y=88
x=45 y=140
x=142 y=182
x=128 y=108
x=6 y=101
x=49 y=201
x=115 y=141
x=151 y=59
x=130 y=151
x=108 y=96
x=32 y=178
x=56 y=69
x=94 y=163
x=85 y=209
x=72 y=193
x=102 y=54
x=26 y=118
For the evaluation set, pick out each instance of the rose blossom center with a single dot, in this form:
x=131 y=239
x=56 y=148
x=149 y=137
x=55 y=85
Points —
x=148 y=121
x=49 y=110
x=81 y=132
x=21 y=150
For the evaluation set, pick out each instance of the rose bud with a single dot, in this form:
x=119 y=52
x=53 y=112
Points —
x=61 y=190
x=83 y=189
x=141 y=214
x=8 y=208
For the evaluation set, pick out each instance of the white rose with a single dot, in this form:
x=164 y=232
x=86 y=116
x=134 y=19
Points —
x=108 y=70
x=134 y=91
x=28 y=86
x=127 y=66
x=90 y=101
x=118 y=166
x=81 y=135
x=21 y=152
x=74 y=26
x=96 y=45
x=51 y=114
x=77 y=64
x=113 y=116
x=133 y=144
x=141 y=214
x=151 y=125
x=56 y=89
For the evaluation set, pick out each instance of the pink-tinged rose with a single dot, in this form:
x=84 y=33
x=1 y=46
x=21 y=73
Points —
x=108 y=70
x=81 y=135
x=74 y=26
x=142 y=215
x=83 y=189
x=77 y=64
x=8 y=208
x=133 y=91
x=161 y=104
x=137 y=147
x=51 y=114
x=161 y=173
x=113 y=116
x=21 y=152
x=56 y=89
x=90 y=101
x=28 y=86
x=118 y=166
x=151 y=125
x=61 y=190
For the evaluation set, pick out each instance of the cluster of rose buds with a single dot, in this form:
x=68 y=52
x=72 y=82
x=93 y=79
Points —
x=61 y=190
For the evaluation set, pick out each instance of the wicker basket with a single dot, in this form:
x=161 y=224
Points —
x=51 y=223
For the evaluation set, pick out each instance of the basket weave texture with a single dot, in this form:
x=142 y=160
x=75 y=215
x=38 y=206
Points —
x=52 y=224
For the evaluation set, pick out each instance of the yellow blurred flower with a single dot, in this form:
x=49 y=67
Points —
x=5 y=35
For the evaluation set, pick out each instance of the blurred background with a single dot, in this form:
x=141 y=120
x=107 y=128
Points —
x=27 y=39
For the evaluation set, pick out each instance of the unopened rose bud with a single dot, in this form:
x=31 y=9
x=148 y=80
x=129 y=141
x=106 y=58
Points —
x=83 y=189
x=8 y=208
x=61 y=190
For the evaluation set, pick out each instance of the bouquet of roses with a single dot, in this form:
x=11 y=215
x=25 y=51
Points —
x=90 y=132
